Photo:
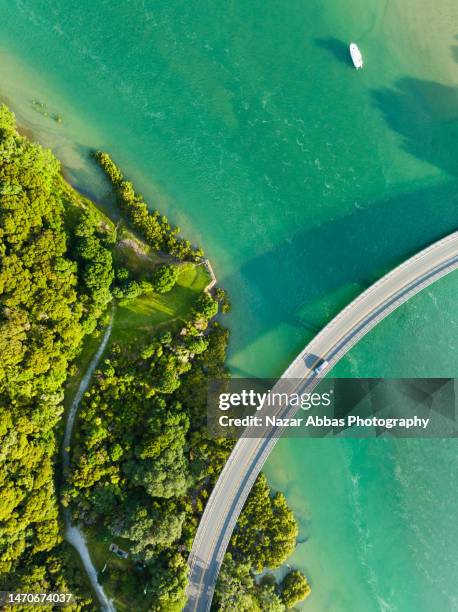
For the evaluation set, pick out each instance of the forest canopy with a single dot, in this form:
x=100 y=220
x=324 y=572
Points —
x=142 y=462
x=48 y=300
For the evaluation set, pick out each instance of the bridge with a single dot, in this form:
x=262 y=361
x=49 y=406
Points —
x=330 y=345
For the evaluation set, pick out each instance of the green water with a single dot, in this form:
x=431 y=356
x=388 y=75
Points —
x=378 y=518
x=304 y=180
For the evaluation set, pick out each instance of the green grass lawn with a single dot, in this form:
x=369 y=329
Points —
x=147 y=312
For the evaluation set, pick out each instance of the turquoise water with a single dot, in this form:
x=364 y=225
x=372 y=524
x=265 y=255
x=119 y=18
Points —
x=377 y=517
x=304 y=180
x=378 y=524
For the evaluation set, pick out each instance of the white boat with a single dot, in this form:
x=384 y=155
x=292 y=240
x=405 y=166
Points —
x=356 y=56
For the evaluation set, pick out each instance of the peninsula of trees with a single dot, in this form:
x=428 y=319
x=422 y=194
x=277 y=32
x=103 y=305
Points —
x=142 y=462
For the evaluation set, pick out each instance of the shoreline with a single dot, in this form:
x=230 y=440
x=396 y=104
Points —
x=106 y=204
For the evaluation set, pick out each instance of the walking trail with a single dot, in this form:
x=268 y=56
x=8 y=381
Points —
x=73 y=534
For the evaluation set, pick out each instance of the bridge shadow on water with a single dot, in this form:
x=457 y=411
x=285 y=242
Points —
x=318 y=270
x=348 y=254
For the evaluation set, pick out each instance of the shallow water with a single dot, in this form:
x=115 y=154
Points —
x=304 y=180
x=378 y=517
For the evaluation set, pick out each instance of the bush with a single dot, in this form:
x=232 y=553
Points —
x=205 y=307
x=294 y=588
x=222 y=298
x=164 y=278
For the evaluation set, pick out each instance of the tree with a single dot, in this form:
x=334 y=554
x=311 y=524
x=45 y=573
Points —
x=168 y=584
x=165 y=277
x=266 y=530
x=269 y=600
x=235 y=588
x=294 y=588
x=205 y=307
x=166 y=476
x=223 y=299
x=150 y=528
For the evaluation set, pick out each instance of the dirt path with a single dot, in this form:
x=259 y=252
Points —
x=73 y=534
